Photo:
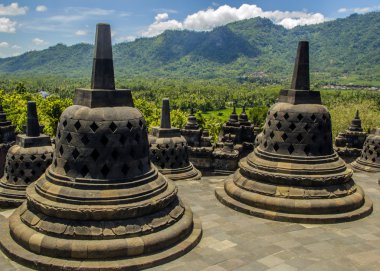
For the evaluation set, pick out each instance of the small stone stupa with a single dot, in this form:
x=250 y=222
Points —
x=26 y=161
x=349 y=144
x=192 y=132
x=226 y=158
x=169 y=150
x=7 y=138
x=369 y=160
x=294 y=174
x=101 y=205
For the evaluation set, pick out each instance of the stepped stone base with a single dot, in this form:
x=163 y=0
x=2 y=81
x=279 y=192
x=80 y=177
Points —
x=297 y=216
x=362 y=166
x=11 y=198
x=33 y=260
x=186 y=173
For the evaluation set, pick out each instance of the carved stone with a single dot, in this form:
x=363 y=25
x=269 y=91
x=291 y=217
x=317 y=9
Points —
x=169 y=150
x=7 y=138
x=26 y=161
x=369 y=160
x=101 y=205
x=349 y=144
x=294 y=174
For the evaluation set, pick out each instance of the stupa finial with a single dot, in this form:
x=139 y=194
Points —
x=192 y=111
x=234 y=111
x=357 y=115
x=165 y=114
x=32 y=125
x=102 y=67
x=301 y=78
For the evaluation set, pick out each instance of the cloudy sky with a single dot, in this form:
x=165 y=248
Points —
x=34 y=25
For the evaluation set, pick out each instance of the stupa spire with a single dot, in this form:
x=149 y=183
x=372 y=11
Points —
x=32 y=125
x=357 y=115
x=301 y=78
x=165 y=114
x=102 y=67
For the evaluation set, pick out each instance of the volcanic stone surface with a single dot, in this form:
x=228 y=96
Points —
x=7 y=138
x=26 y=161
x=101 y=205
x=369 y=159
x=349 y=144
x=294 y=174
x=169 y=150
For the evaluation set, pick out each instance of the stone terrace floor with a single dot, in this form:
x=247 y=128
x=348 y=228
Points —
x=235 y=241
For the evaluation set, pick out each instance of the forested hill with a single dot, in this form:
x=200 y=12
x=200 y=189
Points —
x=342 y=50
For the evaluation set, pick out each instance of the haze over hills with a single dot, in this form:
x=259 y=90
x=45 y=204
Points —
x=342 y=50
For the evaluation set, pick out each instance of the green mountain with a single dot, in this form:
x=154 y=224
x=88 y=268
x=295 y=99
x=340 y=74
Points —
x=342 y=50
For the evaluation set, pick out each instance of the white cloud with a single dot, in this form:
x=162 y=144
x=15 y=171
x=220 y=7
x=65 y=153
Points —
x=81 y=33
x=12 y=10
x=125 y=38
x=7 y=25
x=38 y=41
x=205 y=20
x=4 y=44
x=16 y=47
x=41 y=8
x=342 y=10
x=359 y=10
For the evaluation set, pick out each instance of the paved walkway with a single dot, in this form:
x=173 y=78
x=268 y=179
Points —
x=235 y=241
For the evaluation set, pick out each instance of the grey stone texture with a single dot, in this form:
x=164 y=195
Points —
x=25 y=162
x=369 y=159
x=294 y=174
x=101 y=205
x=349 y=143
x=7 y=138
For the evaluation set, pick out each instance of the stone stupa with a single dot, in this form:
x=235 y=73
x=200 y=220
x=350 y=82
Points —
x=295 y=174
x=349 y=144
x=7 y=138
x=169 y=150
x=26 y=161
x=101 y=205
x=369 y=160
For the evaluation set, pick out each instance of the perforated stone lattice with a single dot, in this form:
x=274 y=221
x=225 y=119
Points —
x=82 y=153
x=293 y=133
x=371 y=150
x=173 y=154
x=22 y=169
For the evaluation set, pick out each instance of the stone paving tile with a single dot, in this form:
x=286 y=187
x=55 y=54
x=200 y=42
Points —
x=235 y=241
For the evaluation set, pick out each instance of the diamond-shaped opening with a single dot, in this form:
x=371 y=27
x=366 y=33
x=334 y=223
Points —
x=12 y=170
x=154 y=152
x=33 y=157
x=162 y=165
x=39 y=164
x=129 y=125
x=59 y=135
x=313 y=117
x=64 y=123
x=21 y=157
x=95 y=155
x=84 y=170
x=125 y=169
x=13 y=157
x=276 y=147
x=115 y=154
x=85 y=140
x=290 y=149
x=61 y=150
x=69 y=137
x=271 y=134
x=113 y=127
x=299 y=137
x=66 y=167
x=275 y=115
x=370 y=152
x=141 y=123
x=265 y=144
x=77 y=125
x=286 y=116
x=43 y=156
x=55 y=163
x=307 y=149
x=284 y=136
x=94 y=127
x=278 y=125
x=105 y=170
x=373 y=160
x=104 y=140
x=269 y=123
x=299 y=117
x=324 y=117
x=292 y=126
x=26 y=180
x=307 y=127
x=75 y=153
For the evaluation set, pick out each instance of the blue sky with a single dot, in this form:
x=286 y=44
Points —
x=34 y=25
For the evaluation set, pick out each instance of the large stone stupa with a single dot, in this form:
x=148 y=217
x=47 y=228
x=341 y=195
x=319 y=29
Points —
x=26 y=161
x=294 y=174
x=101 y=205
x=369 y=160
x=169 y=150
x=7 y=138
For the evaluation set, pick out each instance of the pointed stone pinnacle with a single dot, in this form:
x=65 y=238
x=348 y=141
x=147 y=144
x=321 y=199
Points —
x=165 y=114
x=234 y=111
x=243 y=109
x=192 y=111
x=32 y=125
x=102 y=67
x=301 y=78
x=357 y=115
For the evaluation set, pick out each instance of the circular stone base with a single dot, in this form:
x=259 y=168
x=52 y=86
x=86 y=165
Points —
x=363 y=211
x=186 y=173
x=359 y=166
x=10 y=203
x=19 y=254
